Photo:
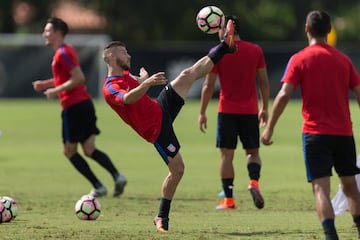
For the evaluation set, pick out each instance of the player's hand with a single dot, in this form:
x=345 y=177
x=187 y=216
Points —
x=266 y=136
x=38 y=85
x=143 y=74
x=263 y=118
x=50 y=93
x=156 y=79
x=202 y=122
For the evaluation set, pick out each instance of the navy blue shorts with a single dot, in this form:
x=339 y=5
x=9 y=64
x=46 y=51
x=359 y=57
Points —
x=171 y=103
x=322 y=152
x=232 y=126
x=79 y=122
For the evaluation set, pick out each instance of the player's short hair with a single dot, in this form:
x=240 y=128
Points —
x=109 y=47
x=59 y=25
x=318 y=23
x=236 y=22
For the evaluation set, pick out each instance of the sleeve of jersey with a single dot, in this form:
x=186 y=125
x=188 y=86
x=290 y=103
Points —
x=69 y=58
x=116 y=93
x=291 y=74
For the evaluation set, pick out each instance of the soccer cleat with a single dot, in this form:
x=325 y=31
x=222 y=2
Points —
x=98 y=192
x=119 y=186
x=226 y=203
x=161 y=224
x=254 y=190
x=229 y=36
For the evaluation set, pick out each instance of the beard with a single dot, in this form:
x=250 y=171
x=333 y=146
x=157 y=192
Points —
x=122 y=64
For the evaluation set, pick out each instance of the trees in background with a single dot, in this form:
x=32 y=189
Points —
x=142 y=21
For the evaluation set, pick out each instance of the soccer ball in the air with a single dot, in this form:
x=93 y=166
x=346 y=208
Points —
x=210 y=19
x=10 y=207
x=87 y=208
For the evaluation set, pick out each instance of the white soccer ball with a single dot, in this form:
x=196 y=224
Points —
x=87 y=208
x=11 y=208
x=210 y=19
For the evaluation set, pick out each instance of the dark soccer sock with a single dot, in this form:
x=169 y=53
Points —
x=105 y=162
x=329 y=229
x=218 y=52
x=227 y=185
x=164 y=208
x=81 y=165
x=254 y=171
x=357 y=223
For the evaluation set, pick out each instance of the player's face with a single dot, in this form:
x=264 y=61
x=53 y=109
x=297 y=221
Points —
x=122 y=58
x=49 y=34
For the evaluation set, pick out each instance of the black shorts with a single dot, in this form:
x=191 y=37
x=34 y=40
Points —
x=79 y=122
x=171 y=103
x=322 y=152
x=232 y=126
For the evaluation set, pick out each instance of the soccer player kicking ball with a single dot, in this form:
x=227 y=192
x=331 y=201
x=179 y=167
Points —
x=153 y=119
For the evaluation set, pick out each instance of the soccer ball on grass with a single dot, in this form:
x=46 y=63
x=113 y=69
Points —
x=210 y=19
x=87 y=208
x=10 y=207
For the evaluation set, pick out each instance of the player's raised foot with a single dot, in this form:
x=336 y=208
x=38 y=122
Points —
x=226 y=203
x=120 y=183
x=229 y=36
x=254 y=190
x=161 y=224
x=98 y=192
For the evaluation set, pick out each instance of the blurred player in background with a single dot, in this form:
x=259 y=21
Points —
x=325 y=76
x=238 y=113
x=78 y=112
x=153 y=119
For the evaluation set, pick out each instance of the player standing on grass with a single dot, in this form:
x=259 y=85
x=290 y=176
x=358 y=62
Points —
x=152 y=119
x=78 y=112
x=238 y=114
x=325 y=76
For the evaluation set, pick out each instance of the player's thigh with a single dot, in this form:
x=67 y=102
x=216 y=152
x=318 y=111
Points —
x=226 y=132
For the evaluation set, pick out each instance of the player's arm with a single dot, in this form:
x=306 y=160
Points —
x=356 y=91
x=136 y=93
x=77 y=77
x=279 y=105
x=40 y=85
x=207 y=92
x=265 y=94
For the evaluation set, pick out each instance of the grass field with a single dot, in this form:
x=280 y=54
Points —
x=35 y=173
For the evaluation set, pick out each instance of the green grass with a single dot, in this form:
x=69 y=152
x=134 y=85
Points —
x=35 y=173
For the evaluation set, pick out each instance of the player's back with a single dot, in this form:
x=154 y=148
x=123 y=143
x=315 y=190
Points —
x=237 y=74
x=326 y=75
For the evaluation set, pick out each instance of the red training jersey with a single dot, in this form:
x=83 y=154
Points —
x=237 y=75
x=144 y=116
x=64 y=60
x=325 y=75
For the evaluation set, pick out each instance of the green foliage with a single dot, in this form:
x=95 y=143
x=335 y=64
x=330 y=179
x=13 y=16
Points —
x=46 y=187
x=347 y=23
x=142 y=22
